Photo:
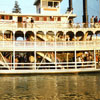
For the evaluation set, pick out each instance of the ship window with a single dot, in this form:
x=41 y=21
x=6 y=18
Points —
x=59 y=18
x=50 y=4
x=10 y=17
x=2 y=17
x=56 y=4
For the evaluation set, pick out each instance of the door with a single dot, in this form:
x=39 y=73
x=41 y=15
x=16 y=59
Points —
x=20 y=22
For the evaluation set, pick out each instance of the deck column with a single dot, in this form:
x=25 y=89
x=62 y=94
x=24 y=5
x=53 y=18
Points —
x=55 y=52
x=35 y=50
x=75 y=60
x=67 y=59
x=13 y=67
x=3 y=38
x=24 y=39
x=95 y=59
x=45 y=39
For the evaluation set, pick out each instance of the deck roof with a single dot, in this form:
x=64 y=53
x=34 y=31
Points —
x=37 y=1
x=40 y=15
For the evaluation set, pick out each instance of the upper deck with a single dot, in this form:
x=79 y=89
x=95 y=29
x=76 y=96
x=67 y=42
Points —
x=50 y=31
x=49 y=36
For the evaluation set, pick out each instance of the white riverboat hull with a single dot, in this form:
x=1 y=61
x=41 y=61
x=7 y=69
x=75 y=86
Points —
x=87 y=70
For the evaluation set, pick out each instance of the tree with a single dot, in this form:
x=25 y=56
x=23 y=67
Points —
x=16 y=8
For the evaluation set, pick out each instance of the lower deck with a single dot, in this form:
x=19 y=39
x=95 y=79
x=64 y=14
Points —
x=28 y=62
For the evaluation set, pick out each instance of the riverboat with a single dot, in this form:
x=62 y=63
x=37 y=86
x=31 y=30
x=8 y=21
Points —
x=48 y=42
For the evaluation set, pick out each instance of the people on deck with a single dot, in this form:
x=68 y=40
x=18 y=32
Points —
x=32 y=21
x=92 y=21
x=96 y=19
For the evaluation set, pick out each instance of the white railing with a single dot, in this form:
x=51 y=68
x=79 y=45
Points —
x=47 y=24
x=47 y=45
x=58 y=65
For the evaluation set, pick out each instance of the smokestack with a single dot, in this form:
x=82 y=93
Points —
x=70 y=5
x=85 y=16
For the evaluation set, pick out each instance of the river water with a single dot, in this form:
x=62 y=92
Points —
x=50 y=87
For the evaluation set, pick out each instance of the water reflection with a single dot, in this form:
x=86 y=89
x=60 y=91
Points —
x=50 y=87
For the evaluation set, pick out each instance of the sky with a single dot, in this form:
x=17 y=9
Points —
x=27 y=7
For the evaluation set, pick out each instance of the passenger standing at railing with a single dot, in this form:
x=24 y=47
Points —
x=92 y=21
x=95 y=21
x=24 y=22
x=32 y=21
x=27 y=21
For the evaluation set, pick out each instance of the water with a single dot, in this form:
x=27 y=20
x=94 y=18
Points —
x=50 y=87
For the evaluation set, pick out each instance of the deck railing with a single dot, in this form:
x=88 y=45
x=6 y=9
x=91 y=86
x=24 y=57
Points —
x=47 y=45
x=47 y=24
x=48 y=66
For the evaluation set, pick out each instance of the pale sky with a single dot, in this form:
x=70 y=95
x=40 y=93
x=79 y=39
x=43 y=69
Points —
x=28 y=8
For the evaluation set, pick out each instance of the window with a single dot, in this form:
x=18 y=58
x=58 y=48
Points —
x=50 y=4
x=10 y=17
x=56 y=4
x=2 y=17
x=53 y=4
x=59 y=18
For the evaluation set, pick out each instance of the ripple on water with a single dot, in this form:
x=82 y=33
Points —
x=50 y=87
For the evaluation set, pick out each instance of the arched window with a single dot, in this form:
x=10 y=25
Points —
x=19 y=35
x=60 y=36
x=30 y=36
x=79 y=36
x=40 y=36
x=70 y=36
x=50 y=36
x=8 y=35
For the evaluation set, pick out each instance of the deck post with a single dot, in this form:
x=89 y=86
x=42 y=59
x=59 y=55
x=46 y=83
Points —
x=13 y=67
x=35 y=50
x=55 y=60
x=75 y=60
x=24 y=39
x=3 y=38
x=45 y=39
x=14 y=57
x=55 y=53
x=67 y=59
x=95 y=59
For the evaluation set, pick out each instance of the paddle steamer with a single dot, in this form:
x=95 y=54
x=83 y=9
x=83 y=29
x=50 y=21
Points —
x=48 y=42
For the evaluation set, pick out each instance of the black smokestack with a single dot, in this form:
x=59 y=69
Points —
x=85 y=16
x=70 y=5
